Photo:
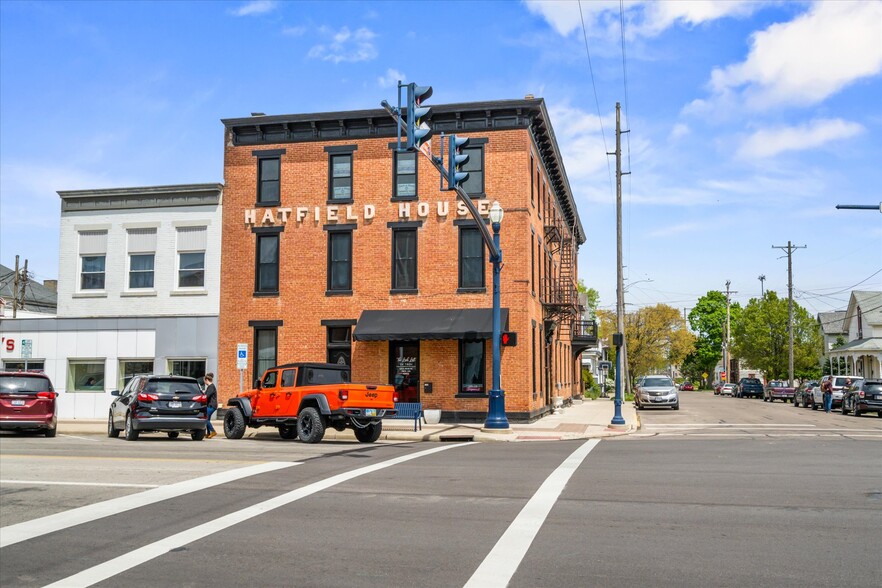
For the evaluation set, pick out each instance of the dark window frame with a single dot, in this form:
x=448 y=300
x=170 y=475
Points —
x=341 y=151
x=256 y=360
x=261 y=234
x=471 y=230
x=335 y=346
x=416 y=175
x=478 y=144
x=397 y=288
x=264 y=155
x=482 y=370
x=334 y=235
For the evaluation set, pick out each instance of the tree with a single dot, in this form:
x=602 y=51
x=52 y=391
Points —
x=657 y=339
x=592 y=298
x=708 y=319
x=762 y=338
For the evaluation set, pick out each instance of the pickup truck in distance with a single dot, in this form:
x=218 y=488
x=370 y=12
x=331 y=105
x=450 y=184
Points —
x=304 y=399
x=778 y=389
x=749 y=387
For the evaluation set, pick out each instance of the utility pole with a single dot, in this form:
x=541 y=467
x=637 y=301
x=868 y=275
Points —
x=762 y=279
x=621 y=350
x=790 y=248
x=15 y=289
x=728 y=333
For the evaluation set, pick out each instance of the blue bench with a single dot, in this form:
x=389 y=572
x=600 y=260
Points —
x=410 y=410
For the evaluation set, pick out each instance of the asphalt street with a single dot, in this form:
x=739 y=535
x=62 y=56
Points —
x=687 y=501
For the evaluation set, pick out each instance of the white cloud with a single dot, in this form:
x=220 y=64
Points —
x=294 y=31
x=643 y=18
x=345 y=45
x=390 y=78
x=679 y=131
x=255 y=7
x=772 y=141
x=806 y=60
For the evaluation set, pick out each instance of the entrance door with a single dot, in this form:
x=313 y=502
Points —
x=404 y=369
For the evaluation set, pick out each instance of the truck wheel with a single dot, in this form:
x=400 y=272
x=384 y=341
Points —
x=131 y=433
x=172 y=434
x=310 y=428
x=370 y=433
x=197 y=434
x=112 y=431
x=234 y=423
x=288 y=431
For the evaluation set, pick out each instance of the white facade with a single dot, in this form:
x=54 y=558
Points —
x=863 y=325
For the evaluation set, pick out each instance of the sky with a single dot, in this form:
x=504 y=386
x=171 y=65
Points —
x=748 y=121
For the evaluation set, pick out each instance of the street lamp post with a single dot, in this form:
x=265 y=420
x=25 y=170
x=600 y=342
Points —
x=496 y=418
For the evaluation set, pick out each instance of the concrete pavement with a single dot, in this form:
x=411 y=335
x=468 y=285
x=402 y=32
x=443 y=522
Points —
x=588 y=419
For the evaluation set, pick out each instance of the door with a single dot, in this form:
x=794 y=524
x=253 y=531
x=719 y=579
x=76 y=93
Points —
x=404 y=369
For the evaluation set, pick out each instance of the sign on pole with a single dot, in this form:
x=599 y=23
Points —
x=27 y=348
x=242 y=356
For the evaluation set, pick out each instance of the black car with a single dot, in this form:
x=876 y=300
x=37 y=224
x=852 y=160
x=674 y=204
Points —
x=864 y=396
x=803 y=394
x=171 y=404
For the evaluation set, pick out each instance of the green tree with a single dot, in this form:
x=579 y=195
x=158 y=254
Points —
x=657 y=338
x=593 y=298
x=708 y=319
x=761 y=338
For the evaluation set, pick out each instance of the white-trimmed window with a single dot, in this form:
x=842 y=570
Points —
x=129 y=368
x=142 y=254
x=93 y=255
x=191 y=257
x=85 y=375
x=193 y=368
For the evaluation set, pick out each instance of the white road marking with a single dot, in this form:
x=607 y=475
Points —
x=107 y=484
x=503 y=560
x=144 y=554
x=727 y=425
x=81 y=438
x=13 y=534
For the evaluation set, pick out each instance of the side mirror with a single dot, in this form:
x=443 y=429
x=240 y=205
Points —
x=114 y=393
x=256 y=383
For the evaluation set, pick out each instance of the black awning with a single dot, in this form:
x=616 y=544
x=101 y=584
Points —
x=403 y=325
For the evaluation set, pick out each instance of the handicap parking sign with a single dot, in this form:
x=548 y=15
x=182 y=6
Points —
x=241 y=356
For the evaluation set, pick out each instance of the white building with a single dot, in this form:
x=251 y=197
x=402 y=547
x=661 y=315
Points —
x=863 y=331
x=138 y=292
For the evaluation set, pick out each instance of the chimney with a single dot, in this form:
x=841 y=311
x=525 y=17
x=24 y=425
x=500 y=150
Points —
x=51 y=284
x=529 y=97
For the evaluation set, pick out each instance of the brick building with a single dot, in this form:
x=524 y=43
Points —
x=335 y=247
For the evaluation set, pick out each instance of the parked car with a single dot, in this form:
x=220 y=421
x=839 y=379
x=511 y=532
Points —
x=751 y=387
x=803 y=393
x=27 y=402
x=687 y=386
x=838 y=386
x=728 y=390
x=717 y=387
x=170 y=404
x=657 y=391
x=778 y=390
x=864 y=396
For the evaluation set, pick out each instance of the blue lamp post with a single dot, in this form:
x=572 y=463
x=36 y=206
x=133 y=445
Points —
x=496 y=418
x=618 y=341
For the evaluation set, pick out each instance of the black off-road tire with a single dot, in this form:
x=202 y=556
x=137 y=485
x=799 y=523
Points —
x=234 y=423
x=172 y=434
x=132 y=434
x=370 y=433
x=288 y=431
x=51 y=432
x=197 y=434
x=112 y=431
x=310 y=427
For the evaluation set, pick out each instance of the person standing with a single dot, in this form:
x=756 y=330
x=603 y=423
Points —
x=211 y=401
x=828 y=395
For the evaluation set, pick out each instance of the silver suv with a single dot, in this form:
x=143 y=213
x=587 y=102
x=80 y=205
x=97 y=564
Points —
x=657 y=391
x=838 y=389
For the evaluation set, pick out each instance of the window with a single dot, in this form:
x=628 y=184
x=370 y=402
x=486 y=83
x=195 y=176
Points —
x=475 y=166
x=288 y=378
x=130 y=368
x=341 y=177
x=471 y=258
x=532 y=261
x=533 y=358
x=192 y=368
x=23 y=365
x=532 y=181
x=340 y=261
x=471 y=366
x=405 y=176
x=266 y=346
x=340 y=345
x=142 y=249
x=267 y=270
x=268 y=174
x=93 y=253
x=404 y=259
x=191 y=257
x=85 y=376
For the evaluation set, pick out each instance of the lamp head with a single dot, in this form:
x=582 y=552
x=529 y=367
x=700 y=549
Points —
x=496 y=213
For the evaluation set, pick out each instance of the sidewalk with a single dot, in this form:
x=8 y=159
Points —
x=589 y=419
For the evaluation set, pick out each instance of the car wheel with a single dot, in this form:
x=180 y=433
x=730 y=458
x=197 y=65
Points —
x=50 y=432
x=197 y=435
x=856 y=410
x=844 y=407
x=676 y=407
x=112 y=431
x=288 y=431
x=132 y=434
x=172 y=434
x=310 y=428
x=370 y=433
x=234 y=423
x=814 y=405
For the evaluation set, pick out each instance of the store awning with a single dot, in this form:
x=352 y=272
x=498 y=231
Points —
x=404 y=325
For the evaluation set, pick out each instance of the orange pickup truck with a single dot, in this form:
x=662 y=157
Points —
x=304 y=399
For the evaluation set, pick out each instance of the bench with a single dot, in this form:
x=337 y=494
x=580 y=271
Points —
x=410 y=410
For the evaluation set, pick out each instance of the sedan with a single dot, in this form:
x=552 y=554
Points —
x=687 y=386
x=865 y=396
x=657 y=391
x=170 y=404
x=728 y=390
x=802 y=396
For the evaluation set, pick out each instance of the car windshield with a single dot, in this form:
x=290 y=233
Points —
x=24 y=384
x=750 y=381
x=657 y=382
x=173 y=387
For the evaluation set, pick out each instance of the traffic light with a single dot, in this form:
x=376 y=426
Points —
x=455 y=160
x=508 y=339
x=418 y=132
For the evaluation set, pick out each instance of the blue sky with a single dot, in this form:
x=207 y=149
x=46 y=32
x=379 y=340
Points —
x=749 y=121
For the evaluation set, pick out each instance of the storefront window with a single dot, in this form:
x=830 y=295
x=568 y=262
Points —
x=23 y=365
x=192 y=368
x=130 y=368
x=85 y=376
x=471 y=366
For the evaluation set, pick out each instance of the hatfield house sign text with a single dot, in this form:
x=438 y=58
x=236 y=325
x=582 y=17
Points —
x=330 y=213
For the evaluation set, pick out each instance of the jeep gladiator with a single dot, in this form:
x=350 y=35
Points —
x=304 y=399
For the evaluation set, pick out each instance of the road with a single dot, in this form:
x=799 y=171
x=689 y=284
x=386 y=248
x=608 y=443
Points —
x=685 y=502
